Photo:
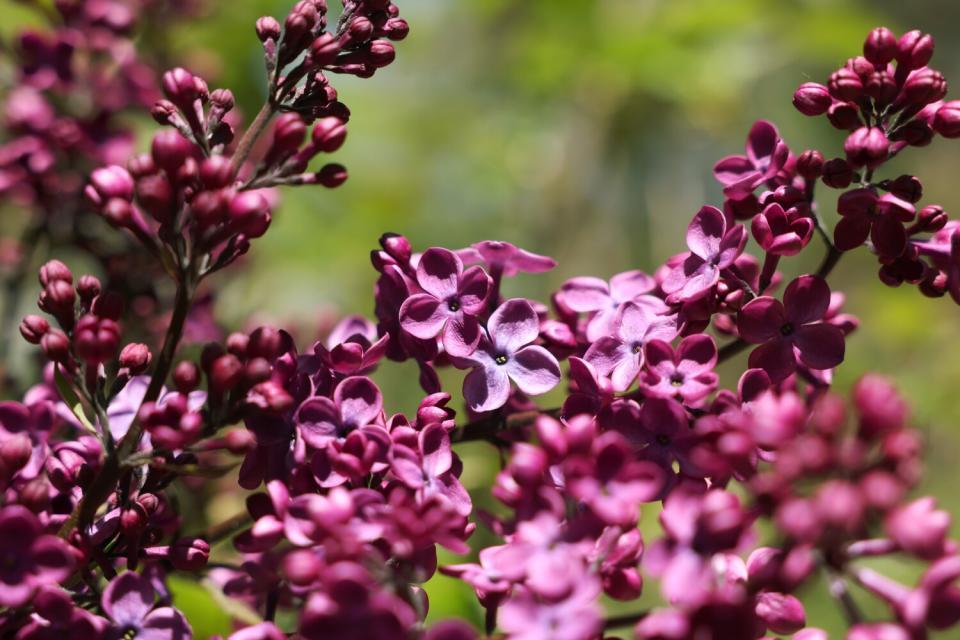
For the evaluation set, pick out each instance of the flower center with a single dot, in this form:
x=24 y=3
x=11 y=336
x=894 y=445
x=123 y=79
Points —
x=663 y=439
x=637 y=347
x=786 y=329
x=453 y=304
x=676 y=380
x=501 y=359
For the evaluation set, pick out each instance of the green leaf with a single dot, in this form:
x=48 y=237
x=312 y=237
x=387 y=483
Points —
x=71 y=399
x=209 y=611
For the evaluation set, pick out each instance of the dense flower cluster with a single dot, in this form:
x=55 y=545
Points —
x=761 y=487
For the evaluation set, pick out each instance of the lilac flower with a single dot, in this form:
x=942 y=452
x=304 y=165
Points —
x=428 y=469
x=592 y=295
x=526 y=617
x=686 y=373
x=881 y=218
x=129 y=603
x=781 y=233
x=505 y=353
x=356 y=403
x=766 y=156
x=620 y=356
x=124 y=406
x=506 y=259
x=499 y=569
x=663 y=430
x=29 y=558
x=712 y=249
x=450 y=303
x=792 y=330
x=55 y=617
x=352 y=348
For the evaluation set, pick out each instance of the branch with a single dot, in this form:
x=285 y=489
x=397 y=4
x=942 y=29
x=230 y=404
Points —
x=489 y=427
x=250 y=136
x=624 y=620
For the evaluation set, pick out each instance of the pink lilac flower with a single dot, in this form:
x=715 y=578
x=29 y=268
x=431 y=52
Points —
x=506 y=259
x=766 y=156
x=782 y=233
x=357 y=402
x=881 y=218
x=526 y=617
x=29 y=558
x=792 y=331
x=450 y=303
x=129 y=603
x=505 y=353
x=586 y=294
x=620 y=356
x=428 y=469
x=713 y=248
x=686 y=373
x=55 y=617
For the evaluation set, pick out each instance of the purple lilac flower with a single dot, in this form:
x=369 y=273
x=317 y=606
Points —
x=793 y=330
x=686 y=373
x=357 y=402
x=595 y=296
x=505 y=353
x=713 y=248
x=29 y=558
x=620 y=356
x=525 y=616
x=129 y=603
x=506 y=259
x=766 y=156
x=450 y=303
x=428 y=468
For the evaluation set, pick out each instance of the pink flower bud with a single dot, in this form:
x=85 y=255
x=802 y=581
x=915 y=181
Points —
x=397 y=247
x=182 y=88
x=359 y=31
x=225 y=373
x=135 y=357
x=329 y=134
x=919 y=528
x=268 y=28
x=216 y=172
x=58 y=298
x=250 y=214
x=946 y=121
x=881 y=86
x=914 y=49
x=905 y=187
x=240 y=441
x=189 y=554
x=265 y=342
x=782 y=613
x=170 y=149
x=810 y=164
x=156 y=197
x=55 y=345
x=880 y=47
x=95 y=339
x=55 y=270
x=88 y=287
x=846 y=85
x=332 y=175
x=932 y=218
x=288 y=134
x=881 y=407
x=186 y=377
x=844 y=116
x=237 y=344
x=812 y=99
x=324 y=50
x=15 y=452
x=381 y=53
x=108 y=305
x=111 y=182
x=924 y=86
x=33 y=328
x=396 y=29
x=867 y=146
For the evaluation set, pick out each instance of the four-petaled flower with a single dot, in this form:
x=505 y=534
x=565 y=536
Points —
x=429 y=467
x=881 y=218
x=792 y=330
x=586 y=294
x=686 y=373
x=782 y=233
x=129 y=602
x=452 y=299
x=29 y=558
x=712 y=249
x=620 y=356
x=505 y=353
x=357 y=402
x=766 y=156
x=506 y=259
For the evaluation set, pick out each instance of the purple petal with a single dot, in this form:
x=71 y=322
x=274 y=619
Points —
x=473 y=290
x=659 y=356
x=732 y=169
x=534 y=369
x=630 y=284
x=696 y=353
x=461 y=335
x=806 y=299
x=405 y=464
x=128 y=599
x=435 y=447
x=706 y=231
x=422 y=316
x=851 y=232
x=626 y=372
x=632 y=323
x=586 y=294
x=439 y=271
x=165 y=623
x=601 y=323
x=760 y=319
x=51 y=559
x=352 y=327
x=820 y=345
x=606 y=353
x=529 y=263
x=663 y=415
x=359 y=400
x=701 y=278
x=776 y=358
x=762 y=142
x=888 y=236
x=513 y=325
x=486 y=388
x=318 y=420
x=731 y=246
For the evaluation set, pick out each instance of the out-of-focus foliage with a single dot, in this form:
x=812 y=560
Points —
x=586 y=131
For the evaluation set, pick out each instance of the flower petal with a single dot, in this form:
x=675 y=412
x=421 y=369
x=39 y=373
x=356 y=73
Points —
x=806 y=299
x=762 y=142
x=422 y=316
x=761 y=319
x=776 y=358
x=486 y=388
x=435 y=448
x=165 y=623
x=851 y=232
x=534 y=369
x=732 y=169
x=820 y=345
x=473 y=290
x=513 y=325
x=359 y=400
x=318 y=420
x=585 y=294
x=128 y=599
x=461 y=335
x=439 y=271
x=706 y=231
x=630 y=284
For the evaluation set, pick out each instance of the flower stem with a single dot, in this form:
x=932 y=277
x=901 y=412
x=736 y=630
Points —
x=251 y=134
x=625 y=620
x=840 y=592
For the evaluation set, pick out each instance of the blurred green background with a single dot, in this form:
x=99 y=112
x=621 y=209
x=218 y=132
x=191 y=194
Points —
x=586 y=131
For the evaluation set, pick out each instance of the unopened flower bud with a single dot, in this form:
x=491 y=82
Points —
x=924 y=86
x=810 y=164
x=846 y=85
x=914 y=49
x=268 y=28
x=381 y=53
x=216 y=172
x=905 y=187
x=240 y=441
x=156 y=197
x=189 y=554
x=397 y=247
x=324 y=50
x=880 y=47
x=182 y=88
x=946 y=121
x=133 y=520
x=163 y=112
x=15 y=452
x=932 y=218
x=237 y=344
x=186 y=377
x=110 y=182
x=95 y=340
x=332 y=175
x=88 y=287
x=135 y=357
x=33 y=328
x=919 y=528
x=867 y=146
x=55 y=345
x=812 y=99
x=881 y=86
x=881 y=407
x=329 y=134
x=265 y=342
x=108 y=304
x=225 y=373
x=55 y=270
x=844 y=116
x=396 y=29
x=359 y=31
x=781 y=613
x=170 y=149
x=58 y=298
x=250 y=213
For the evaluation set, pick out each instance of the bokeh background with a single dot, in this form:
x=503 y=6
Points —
x=586 y=131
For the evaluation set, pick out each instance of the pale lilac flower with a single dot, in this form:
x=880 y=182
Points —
x=429 y=468
x=592 y=295
x=29 y=558
x=505 y=353
x=713 y=248
x=452 y=299
x=686 y=373
x=578 y=616
x=620 y=356
x=129 y=602
x=506 y=259
x=357 y=402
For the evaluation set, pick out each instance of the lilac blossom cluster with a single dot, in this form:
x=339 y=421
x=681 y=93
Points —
x=760 y=488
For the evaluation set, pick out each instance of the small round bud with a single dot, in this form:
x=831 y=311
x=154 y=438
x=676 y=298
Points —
x=845 y=84
x=237 y=344
x=810 y=164
x=255 y=371
x=268 y=28
x=135 y=357
x=932 y=218
x=163 y=112
x=265 y=342
x=186 y=377
x=397 y=247
x=216 y=172
x=15 y=452
x=867 y=146
x=33 y=328
x=812 y=99
x=946 y=121
x=55 y=270
x=95 y=340
x=880 y=47
x=55 y=345
x=222 y=99
x=881 y=86
x=170 y=149
x=916 y=133
x=359 y=31
x=250 y=213
x=396 y=29
x=324 y=50
x=58 y=298
x=225 y=373
x=189 y=554
x=381 y=53
x=914 y=49
x=837 y=173
x=240 y=441
x=844 y=116
x=924 y=86
x=182 y=88
x=88 y=287
x=332 y=175
x=329 y=134
x=111 y=182
x=156 y=197
x=905 y=187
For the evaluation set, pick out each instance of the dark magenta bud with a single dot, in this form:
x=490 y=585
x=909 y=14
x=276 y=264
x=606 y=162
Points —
x=397 y=247
x=57 y=299
x=332 y=175
x=881 y=87
x=55 y=270
x=216 y=172
x=289 y=133
x=867 y=146
x=359 y=31
x=170 y=150
x=108 y=305
x=237 y=344
x=222 y=99
x=846 y=85
x=250 y=213
x=880 y=47
x=396 y=29
x=812 y=99
x=15 y=452
x=844 y=116
x=946 y=121
x=108 y=183
x=186 y=377
x=381 y=53
x=182 y=88
x=55 y=345
x=88 y=288
x=265 y=342
x=905 y=187
x=255 y=371
x=810 y=164
x=225 y=373
x=95 y=339
x=164 y=112
x=329 y=134
x=932 y=218
x=33 y=328
x=324 y=50
x=268 y=28
x=837 y=173
x=240 y=441
x=916 y=133
x=135 y=357
x=924 y=86
x=914 y=49
x=189 y=554
x=156 y=197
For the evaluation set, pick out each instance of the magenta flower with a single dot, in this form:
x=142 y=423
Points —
x=766 y=156
x=712 y=249
x=429 y=468
x=526 y=617
x=782 y=233
x=356 y=403
x=620 y=356
x=686 y=373
x=129 y=602
x=663 y=430
x=593 y=295
x=29 y=558
x=505 y=353
x=881 y=218
x=451 y=301
x=505 y=258
x=792 y=330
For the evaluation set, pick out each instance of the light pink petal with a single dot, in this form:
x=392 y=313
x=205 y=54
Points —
x=601 y=324
x=659 y=355
x=706 y=231
x=806 y=299
x=585 y=294
x=461 y=335
x=474 y=289
x=732 y=169
x=760 y=319
x=422 y=316
x=626 y=372
x=359 y=399
x=696 y=353
x=820 y=346
x=630 y=284
x=439 y=271
x=128 y=599
x=405 y=464
x=606 y=353
x=662 y=328
x=52 y=560
x=486 y=388
x=700 y=282
x=762 y=142
x=632 y=322
x=776 y=358
x=318 y=420
x=534 y=369
x=699 y=386
x=513 y=325
x=165 y=623
x=529 y=263
x=435 y=447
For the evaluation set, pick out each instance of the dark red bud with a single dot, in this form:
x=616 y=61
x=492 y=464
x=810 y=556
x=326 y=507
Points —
x=225 y=373
x=914 y=49
x=55 y=345
x=329 y=134
x=268 y=28
x=837 y=173
x=135 y=357
x=946 y=121
x=332 y=175
x=846 y=85
x=189 y=554
x=810 y=164
x=33 y=328
x=880 y=46
x=88 y=287
x=186 y=377
x=812 y=99
x=237 y=344
x=932 y=218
